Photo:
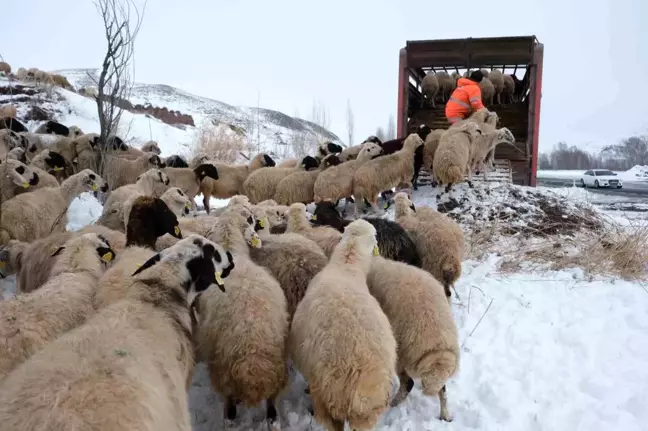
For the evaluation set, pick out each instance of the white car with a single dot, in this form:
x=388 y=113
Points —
x=601 y=178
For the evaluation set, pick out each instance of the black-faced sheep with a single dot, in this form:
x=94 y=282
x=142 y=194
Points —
x=32 y=320
x=452 y=157
x=439 y=240
x=323 y=149
x=393 y=241
x=34 y=215
x=12 y=124
x=53 y=128
x=262 y=183
x=149 y=219
x=242 y=334
x=176 y=161
x=385 y=172
x=342 y=342
x=191 y=180
x=423 y=325
x=129 y=366
x=231 y=178
x=299 y=186
x=153 y=182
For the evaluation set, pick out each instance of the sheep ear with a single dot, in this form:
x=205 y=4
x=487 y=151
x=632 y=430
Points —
x=58 y=251
x=413 y=207
x=149 y=263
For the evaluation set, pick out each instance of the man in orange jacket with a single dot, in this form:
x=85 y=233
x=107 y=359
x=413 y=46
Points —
x=465 y=99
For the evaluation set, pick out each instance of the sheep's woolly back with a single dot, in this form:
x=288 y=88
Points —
x=430 y=86
x=431 y=145
x=487 y=90
x=34 y=215
x=299 y=186
x=452 y=158
x=293 y=260
x=386 y=172
x=438 y=239
x=262 y=183
x=246 y=358
x=342 y=342
x=231 y=178
x=32 y=320
x=110 y=364
x=121 y=171
x=337 y=182
x=421 y=319
x=326 y=237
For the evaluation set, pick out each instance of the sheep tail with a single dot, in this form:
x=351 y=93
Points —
x=258 y=378
x=454 y=174
x=449 y=276
x=435 y=368
x=372 y=394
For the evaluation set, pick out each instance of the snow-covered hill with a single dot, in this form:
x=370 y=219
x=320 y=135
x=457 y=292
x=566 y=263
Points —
x=275 y=128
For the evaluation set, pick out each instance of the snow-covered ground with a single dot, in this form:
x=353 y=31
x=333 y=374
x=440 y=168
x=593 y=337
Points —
x=540 y=349
x=636 y=173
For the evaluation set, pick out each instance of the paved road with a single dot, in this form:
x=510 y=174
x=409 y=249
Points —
x=630 y=188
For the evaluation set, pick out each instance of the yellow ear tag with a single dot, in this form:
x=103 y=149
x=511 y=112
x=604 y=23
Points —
x=94 y=187
x=26 y=185
x=188 y=205
x=57 y=168
x=376 y=251
x=219 y=280
x=256 y=243
x=313 y=217
x=386 y=205
x=107 y=257
x=176 y=229
x=303 y=166
x=262 y=223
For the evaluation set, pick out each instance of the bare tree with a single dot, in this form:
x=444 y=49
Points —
x=298 y=140
x=121 y=20
x=320 y=114
x=391 y=128
x=350 y=122
x=380 y=134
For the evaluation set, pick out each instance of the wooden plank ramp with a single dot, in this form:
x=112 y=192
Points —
x=502 y=174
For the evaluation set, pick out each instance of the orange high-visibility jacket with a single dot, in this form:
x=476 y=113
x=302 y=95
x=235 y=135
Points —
x=465 y=99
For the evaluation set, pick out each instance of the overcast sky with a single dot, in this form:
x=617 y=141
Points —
x=289 y=52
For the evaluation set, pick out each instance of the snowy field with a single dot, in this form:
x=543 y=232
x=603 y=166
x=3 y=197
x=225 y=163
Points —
x=549 y=350
x=637 y=173
x=540 y=349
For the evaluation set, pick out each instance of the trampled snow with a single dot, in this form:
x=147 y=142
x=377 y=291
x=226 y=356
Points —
x=552 y=350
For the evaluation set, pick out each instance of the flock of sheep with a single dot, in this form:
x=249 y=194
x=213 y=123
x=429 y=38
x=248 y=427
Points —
x=109 y=321
x=496 y=86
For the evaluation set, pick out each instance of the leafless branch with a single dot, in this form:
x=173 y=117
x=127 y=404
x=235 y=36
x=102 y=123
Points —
x=122 y=20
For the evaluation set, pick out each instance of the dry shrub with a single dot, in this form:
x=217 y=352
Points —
x=219 y=143
x=613 y=250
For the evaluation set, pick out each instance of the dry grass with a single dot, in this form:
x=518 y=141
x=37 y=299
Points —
x=611 y=250
x=219 y=143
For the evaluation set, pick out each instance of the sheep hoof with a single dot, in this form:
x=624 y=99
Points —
x=447 y=418
x=471 y=185
x=438 y=197
x=307 y=391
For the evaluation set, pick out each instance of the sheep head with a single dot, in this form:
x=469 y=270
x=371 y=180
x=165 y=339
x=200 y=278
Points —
x=330 y=160
x=206 y=170
x=370 y=151
x=413 y=141
x=19 y=173
x=374 y=139
x=404 y=206
x=361 y=235
x=149 y=219
x=308 y=163
x=201 y=261
x=267 y=162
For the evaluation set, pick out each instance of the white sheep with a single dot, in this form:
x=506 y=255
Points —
x=32 y=320
x=423 y=325
x=242 y=333
x=385 y=172
x=324 y=236
x=130 y=365
x=452 y=157
x=342 y=342
x=262 y=184
x=121 y=171
x=34 y=215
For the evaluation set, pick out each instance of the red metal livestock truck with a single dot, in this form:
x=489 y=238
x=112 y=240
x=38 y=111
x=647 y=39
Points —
x=518 y=55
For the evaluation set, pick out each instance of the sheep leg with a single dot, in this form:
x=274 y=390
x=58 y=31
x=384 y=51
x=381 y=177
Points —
x=448 y=187
x=229 y=413
x=271 y=416
x=406 y=385
x=443 y=401
x=206 y=203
